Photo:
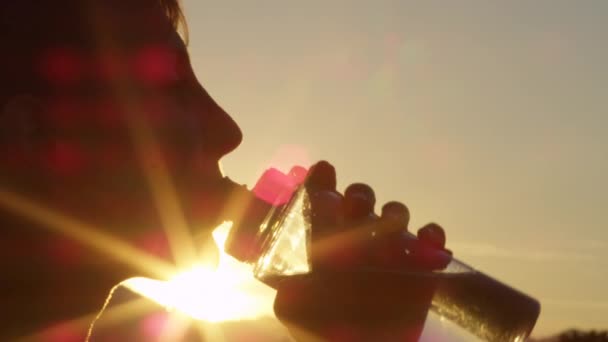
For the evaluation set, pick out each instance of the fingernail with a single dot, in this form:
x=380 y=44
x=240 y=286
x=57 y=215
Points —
x=396 y=212
x=433 y=235
x=359 y=200
x=322 y=176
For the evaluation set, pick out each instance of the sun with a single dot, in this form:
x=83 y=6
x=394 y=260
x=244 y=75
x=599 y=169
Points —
x=228 y=292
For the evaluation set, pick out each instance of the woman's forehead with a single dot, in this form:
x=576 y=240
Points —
x=85 y=23
x=127 y=27
x=92 y=31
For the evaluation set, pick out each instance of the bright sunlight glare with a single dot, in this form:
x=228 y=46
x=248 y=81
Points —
x=228 y=292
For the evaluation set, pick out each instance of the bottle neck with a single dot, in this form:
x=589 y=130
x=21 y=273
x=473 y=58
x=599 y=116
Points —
x=247 y=213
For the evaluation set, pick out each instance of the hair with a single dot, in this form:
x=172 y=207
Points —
x=30 y=8
x=27 y=26
x=175 y=14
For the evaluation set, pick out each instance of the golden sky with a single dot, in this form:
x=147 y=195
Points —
x=487 y=117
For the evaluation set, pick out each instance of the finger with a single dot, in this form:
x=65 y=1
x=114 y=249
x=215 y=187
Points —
x=432 y=259
x=322 y=176
x=327 y=210
x=433 y=235
x=359 y=201
x=396 y=213
x=329 y=248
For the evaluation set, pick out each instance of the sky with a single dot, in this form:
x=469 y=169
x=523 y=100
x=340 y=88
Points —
x=487 y=117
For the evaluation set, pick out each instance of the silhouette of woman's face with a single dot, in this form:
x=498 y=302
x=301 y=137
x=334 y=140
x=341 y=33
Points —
x=113 y=98
x=124 y=90
x=90 y=101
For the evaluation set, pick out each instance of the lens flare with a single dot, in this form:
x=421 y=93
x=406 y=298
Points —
x=226 y=292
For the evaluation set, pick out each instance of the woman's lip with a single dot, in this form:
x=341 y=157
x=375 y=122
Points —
x=229 y=185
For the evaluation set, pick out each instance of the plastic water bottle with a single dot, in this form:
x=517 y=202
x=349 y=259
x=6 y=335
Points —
x=376 y=302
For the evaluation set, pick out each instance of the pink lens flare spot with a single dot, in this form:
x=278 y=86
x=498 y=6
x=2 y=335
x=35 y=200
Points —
x=287 y=156
x=63 y=333
x=154 y=325
x=155 y=243
x=393 y=43
x=65 y=251
x=276 y=187
x=62 y=66
x=442 y=155
x=157 y=65
x=65 y=159
x=393 y=40
x=271 y=186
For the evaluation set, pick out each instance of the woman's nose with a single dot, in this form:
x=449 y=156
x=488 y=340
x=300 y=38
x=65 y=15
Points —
x=221 y=134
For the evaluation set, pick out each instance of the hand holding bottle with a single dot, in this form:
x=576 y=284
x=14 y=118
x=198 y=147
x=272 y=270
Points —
x=354 y=290
x=345 y=273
